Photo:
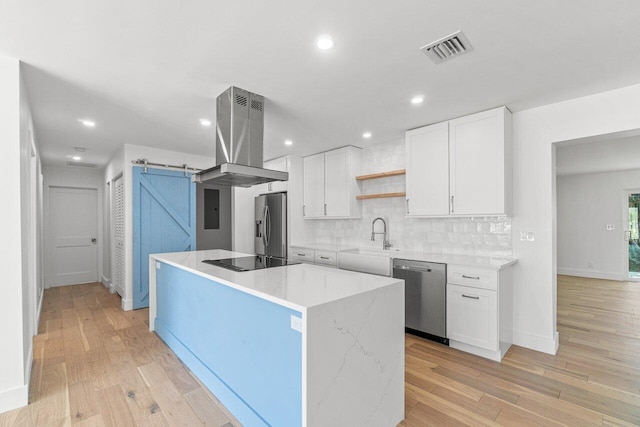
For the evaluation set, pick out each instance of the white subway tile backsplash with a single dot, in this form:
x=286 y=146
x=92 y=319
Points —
x=478 y=236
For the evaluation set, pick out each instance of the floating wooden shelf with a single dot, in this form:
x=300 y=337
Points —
x=381 y=175
x=380 y=195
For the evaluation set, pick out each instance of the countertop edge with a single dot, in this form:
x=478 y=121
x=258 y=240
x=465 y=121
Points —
x=487 y=262
x=270 y=298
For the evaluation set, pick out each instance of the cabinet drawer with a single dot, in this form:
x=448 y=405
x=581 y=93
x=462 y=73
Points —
x=326 y=258
x=302 y=254
x=474 y=277
x=472 y=316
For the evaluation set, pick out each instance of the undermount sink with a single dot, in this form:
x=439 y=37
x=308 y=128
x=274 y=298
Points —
x=373 y=261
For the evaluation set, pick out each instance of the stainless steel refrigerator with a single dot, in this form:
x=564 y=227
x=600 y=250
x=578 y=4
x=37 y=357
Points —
x=271 y=225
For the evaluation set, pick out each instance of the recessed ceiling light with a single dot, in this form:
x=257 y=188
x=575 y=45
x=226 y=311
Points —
x=87 y=123
x=366 y=135
x=288 y=142
x=418 y=99
x=205 y=122
x=77 y=158
x=324 y=42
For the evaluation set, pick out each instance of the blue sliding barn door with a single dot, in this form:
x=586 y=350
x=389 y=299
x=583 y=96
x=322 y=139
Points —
x=164 y=220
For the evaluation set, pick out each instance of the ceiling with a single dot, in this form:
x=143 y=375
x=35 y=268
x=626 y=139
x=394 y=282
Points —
x=146 y=71
x=606 y=154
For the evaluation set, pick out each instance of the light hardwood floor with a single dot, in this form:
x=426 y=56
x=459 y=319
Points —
x=96 y=365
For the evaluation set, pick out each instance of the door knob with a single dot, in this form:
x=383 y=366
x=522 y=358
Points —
x=93 y=240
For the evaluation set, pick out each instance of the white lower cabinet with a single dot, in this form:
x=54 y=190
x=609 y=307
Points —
x=302 y=254
x=480 y=310
x=328 y=258
x=473 y=316
x=314 y=256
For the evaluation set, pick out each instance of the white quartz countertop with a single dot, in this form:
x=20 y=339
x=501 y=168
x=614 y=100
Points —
x=297 y=286
x=323 y=247
x=464 y=260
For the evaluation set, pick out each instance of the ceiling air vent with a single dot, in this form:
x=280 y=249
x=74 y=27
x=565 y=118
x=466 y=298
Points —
x=448 y=47
x=81 y=164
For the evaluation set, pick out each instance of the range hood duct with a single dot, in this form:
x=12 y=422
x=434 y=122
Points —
x=239 y=142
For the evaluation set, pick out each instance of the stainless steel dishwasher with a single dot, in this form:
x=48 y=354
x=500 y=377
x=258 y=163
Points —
x=425 y=297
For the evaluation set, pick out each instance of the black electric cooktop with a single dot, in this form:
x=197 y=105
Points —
x=248 y=263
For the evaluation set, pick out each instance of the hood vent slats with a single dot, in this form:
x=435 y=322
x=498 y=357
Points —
x=447 y=47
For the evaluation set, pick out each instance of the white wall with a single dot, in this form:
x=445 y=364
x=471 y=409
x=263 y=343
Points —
x=534 y=133
x=74 y=177
x=121 y=164
x=20 y=290
x=478 y=236
x=586 y=204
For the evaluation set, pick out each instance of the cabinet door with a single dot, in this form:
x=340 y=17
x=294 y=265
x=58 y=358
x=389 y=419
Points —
x=279 y=164
x=314 y=186
x=337 y=180
x=477 y=163
x=427 y=163
x=302 y=254
x=472 y=316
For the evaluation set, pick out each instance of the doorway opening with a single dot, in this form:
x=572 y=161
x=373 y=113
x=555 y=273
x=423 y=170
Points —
x=632 y=236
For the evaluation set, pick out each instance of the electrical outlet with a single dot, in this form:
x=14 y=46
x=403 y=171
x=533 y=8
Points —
x=296 y=323
x=611 y=227
x=527 y=236
x=589 y=264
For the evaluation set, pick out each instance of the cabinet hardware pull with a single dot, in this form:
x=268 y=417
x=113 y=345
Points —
x=467 y=296
x=324 y=257
x=301 y=255
x=303 y=210
x=325 y=208
x=407 y=206
x=452 y=205
x=464 y=276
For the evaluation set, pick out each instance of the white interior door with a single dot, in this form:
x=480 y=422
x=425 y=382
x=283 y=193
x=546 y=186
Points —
x=73 y=217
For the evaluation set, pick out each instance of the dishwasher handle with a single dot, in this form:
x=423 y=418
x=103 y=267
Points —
x=404 y=267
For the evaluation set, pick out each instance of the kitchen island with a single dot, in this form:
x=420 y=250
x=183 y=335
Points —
x=300 y=345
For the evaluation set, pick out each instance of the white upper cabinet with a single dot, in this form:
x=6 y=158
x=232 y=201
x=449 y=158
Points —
x=313 y=186
x=460 y=167
x=480 y=163
x=330 y=188
x=279 y=164
x=427 y=163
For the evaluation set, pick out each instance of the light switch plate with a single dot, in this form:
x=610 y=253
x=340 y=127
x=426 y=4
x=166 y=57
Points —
x=527 y=236
x=157 y=265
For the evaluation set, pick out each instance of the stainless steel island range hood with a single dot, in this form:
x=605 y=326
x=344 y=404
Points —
x=239 y=142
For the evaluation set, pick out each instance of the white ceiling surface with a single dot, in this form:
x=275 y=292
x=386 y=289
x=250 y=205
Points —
x=147 y=70
x=601 y=156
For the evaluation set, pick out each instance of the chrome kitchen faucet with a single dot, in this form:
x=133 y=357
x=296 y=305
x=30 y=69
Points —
x=385 y=243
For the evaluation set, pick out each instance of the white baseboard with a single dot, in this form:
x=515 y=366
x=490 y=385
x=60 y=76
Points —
x=29 y=366
x=39 y=312
x=591 y=274
x=107 y=284
x=127 y=304
x=14 y=398
x=547 y=345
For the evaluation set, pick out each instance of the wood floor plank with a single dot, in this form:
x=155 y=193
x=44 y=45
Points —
x=93 y=360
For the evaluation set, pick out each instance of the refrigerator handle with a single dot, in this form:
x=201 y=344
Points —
x=267 y=225
x=264 y=229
